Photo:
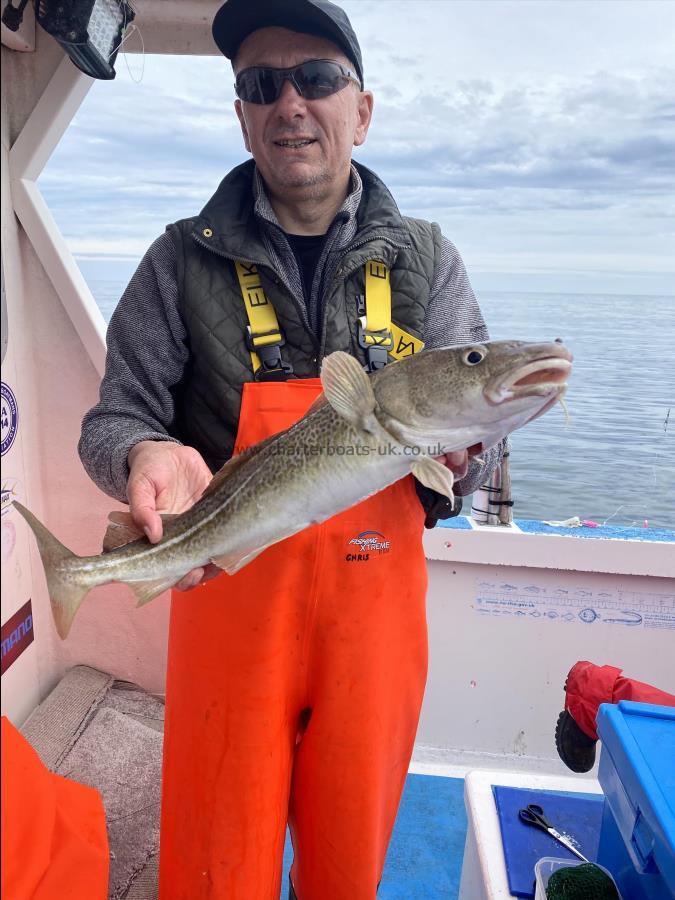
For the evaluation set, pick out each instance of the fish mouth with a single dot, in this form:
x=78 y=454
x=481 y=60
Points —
x=540 y=378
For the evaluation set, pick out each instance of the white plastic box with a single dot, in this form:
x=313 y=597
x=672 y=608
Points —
x=484 y=875
x=547 y=865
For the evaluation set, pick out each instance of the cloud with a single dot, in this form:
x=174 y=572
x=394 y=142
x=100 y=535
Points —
x=523 y=128
x=577 y=134
x=572 y=175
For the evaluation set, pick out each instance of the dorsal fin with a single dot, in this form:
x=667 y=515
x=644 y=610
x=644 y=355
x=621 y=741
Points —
x=319 y=403
x=348 y=390
x=123 y=530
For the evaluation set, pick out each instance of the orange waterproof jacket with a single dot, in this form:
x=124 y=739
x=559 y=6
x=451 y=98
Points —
x=589 y=685
x=54 y=841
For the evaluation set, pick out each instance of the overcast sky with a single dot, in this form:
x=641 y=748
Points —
x=539 y=134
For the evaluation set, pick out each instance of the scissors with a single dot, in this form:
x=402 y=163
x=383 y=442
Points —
x=534 y=815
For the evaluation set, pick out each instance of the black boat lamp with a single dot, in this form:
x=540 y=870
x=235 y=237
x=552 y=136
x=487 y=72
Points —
x=90 y=31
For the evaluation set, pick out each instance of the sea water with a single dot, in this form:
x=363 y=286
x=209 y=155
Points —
x=614 y=460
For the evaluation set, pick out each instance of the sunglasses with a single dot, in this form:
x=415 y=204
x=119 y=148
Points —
x=313 y=80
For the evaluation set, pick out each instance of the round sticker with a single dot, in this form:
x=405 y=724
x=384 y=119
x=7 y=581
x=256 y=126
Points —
x=9 y=416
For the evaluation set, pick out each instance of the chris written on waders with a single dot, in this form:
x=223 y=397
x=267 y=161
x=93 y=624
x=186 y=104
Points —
x=293 y=687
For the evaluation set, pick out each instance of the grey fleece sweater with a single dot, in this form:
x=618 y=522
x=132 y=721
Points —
x=147 y=341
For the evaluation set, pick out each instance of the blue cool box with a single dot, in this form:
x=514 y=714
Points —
x=637 y=774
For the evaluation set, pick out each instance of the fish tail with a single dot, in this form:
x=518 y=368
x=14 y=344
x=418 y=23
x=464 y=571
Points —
x=65 y=592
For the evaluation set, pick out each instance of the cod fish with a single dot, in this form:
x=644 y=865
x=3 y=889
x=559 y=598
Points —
x=361 y=435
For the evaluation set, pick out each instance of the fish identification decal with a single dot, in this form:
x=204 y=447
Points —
x=565 y=605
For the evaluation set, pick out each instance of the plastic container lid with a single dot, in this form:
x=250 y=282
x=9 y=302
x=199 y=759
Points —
x=546 y=866
x=640 y=741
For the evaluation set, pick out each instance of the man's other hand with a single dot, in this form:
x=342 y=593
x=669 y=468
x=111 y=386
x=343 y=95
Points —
x=166 y=478
x=457 y=461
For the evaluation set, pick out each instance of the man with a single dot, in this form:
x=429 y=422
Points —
x=293 y=687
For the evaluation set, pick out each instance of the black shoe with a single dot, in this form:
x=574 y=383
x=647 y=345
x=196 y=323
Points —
x=291 y=892
x=574 y=746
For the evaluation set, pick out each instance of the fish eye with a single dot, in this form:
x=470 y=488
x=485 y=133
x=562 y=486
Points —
x=474 y=356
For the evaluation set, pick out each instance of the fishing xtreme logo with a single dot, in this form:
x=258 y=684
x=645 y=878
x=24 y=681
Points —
x=368 y=542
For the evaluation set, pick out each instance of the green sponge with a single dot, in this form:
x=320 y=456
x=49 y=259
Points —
x=585 y=882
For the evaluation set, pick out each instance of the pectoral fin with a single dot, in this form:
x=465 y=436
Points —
x=434 y=475
x=348 y=390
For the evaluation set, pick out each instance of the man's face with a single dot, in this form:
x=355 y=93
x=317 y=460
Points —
x=332 y=125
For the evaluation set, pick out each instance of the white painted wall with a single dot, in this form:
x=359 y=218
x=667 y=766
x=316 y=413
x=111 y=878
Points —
x=496 y=680
x=56 y=382
x=22 y=79
x=20 y=683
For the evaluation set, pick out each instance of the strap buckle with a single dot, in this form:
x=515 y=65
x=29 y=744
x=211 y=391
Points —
x=272 y=366
x=377 y=345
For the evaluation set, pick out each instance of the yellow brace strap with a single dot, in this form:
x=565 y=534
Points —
x=376 y=323
x=376 y=328
x=263 y=325
x=405 y=344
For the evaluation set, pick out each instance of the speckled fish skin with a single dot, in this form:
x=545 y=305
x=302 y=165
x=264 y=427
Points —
x=364 y=433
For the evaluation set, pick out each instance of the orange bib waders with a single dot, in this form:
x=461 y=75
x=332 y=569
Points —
x=54 y=840
x=293 y=695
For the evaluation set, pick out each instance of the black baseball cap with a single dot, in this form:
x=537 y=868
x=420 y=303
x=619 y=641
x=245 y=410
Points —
x=236 y=19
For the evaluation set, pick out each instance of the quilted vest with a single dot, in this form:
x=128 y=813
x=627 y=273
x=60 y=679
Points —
x=208 y=398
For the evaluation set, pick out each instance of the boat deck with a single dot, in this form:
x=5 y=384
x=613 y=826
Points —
x=424 y=861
